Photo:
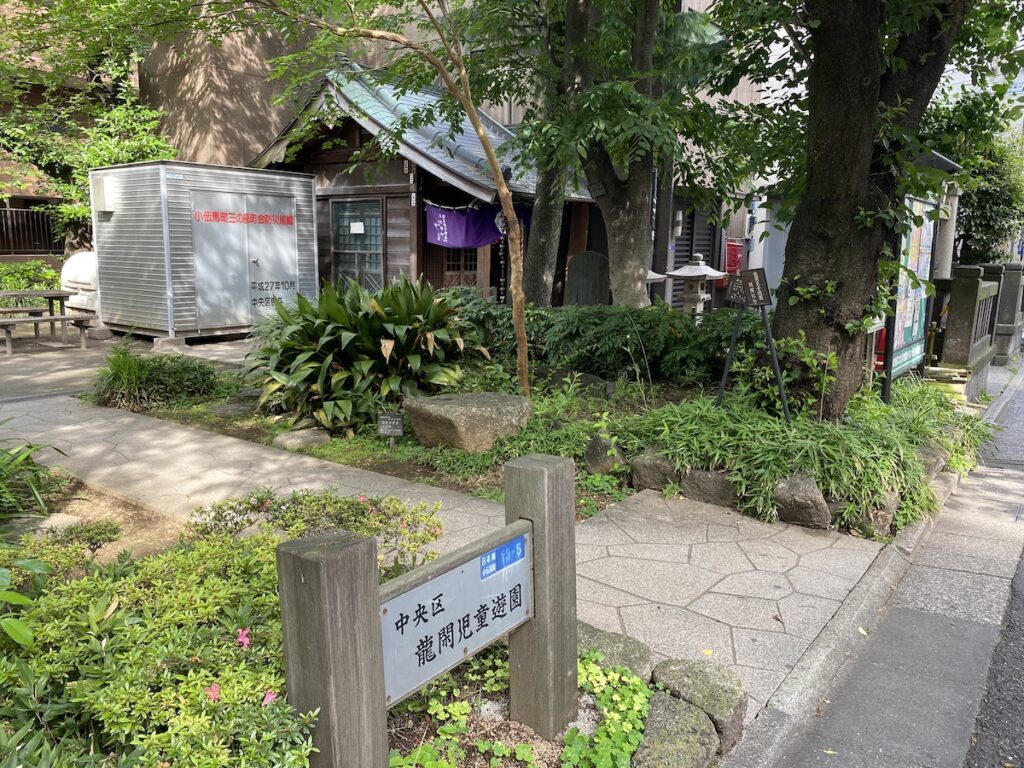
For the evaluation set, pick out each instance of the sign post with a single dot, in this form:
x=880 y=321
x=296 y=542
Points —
x=750 y=289
x=353 y=649
x=391 y=425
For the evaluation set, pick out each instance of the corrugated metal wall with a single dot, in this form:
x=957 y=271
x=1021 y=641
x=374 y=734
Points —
x=130 y=241
x=185 y=178
x=130 y=248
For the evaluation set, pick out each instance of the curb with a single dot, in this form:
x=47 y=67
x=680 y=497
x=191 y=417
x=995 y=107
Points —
x=995 y=408
x=796 y=699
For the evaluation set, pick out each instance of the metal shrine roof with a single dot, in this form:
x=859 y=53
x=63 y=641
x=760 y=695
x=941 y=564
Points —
x=454 y=156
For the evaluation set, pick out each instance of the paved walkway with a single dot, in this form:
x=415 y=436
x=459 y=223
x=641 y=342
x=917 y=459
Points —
x=910 y=695
x=693 y=580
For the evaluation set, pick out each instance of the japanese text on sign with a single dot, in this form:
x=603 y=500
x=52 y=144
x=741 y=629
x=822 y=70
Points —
x=229 y=217
x=435 y=626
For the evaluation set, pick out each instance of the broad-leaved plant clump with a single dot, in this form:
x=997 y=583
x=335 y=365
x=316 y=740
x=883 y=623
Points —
x=351 y=353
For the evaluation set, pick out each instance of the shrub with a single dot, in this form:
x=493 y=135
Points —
x=65 y=552
x=176 y=659
x=136 y=383
x=656 y=342
x=342 y=359
x=807 y=375
x=143 y=664
x=859 y=461
x=27 y=276
x=402 y=532
x=23 y=483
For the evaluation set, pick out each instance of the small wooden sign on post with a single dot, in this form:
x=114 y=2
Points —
x=352 y=649
x=391 y=425
x=750 y=289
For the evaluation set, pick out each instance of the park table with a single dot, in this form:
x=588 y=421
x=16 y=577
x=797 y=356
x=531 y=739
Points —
x=53 y=299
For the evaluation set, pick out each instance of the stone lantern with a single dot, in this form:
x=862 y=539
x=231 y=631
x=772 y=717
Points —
x=695 y=276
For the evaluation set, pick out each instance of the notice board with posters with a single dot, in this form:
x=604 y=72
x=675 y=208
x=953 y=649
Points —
x=911 y=321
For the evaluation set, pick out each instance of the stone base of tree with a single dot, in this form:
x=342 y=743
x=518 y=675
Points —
x=799 y=500
x=603 y=457
x=470 y=422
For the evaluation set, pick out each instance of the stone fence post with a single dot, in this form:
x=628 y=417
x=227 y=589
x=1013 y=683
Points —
x=1009 y=317
x=970 y=325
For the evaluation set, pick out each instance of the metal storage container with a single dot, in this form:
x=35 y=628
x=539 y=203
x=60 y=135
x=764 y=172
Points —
x=197 y=250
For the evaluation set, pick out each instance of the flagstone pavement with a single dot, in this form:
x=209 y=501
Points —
x=688 y=579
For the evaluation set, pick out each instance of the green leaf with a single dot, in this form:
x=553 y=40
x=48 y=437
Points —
x=14 y=598
x=17 y=630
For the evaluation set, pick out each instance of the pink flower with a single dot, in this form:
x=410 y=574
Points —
x=361 y=498
x=243 y=639
x=268 y=697
x=213 y=692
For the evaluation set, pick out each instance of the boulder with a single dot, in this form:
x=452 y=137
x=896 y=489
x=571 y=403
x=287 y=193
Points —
x=588 y=382
x=58 y=521
x=798 y=499
x=618 y=650
x=712 y=688
x=677 y=735
x=301 y=438
x=879 y=520
x=249 y=393
x=934 y=458
x=471 y=422
x=602 y=456
x=652 y=470
x=708 y=487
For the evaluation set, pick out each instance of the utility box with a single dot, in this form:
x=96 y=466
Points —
x=187 y=250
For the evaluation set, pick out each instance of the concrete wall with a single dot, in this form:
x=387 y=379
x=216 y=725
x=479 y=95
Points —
x=217 y=100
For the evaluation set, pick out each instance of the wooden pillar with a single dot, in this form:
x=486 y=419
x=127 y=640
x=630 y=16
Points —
x=332 y=646
x=543 y=686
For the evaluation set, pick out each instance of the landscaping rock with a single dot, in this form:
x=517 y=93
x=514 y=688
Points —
x=249 y=393
x=935 y=459
x=708 y=487
x=594 y=385
x=602 y=456
x=471 y=422
x=712 y=688
x=301 y=438
x=652 y=470
x=677 y=735
x=234 y=409
x=798 y=499
x=880 y=520
x=58 y=521
x=618 y=650
x=835 y=506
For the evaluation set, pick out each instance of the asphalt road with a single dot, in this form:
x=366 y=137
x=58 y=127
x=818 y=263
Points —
x=998 y=740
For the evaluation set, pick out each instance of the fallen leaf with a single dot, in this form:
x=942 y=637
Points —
x=862 y=631
x=708 y=652
x=829 y=751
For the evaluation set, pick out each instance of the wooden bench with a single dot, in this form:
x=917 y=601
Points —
x=30 y=311
x=81 y=322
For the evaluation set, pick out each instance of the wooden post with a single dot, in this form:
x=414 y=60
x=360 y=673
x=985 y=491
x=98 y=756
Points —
x=332 y=646
x=543 y=684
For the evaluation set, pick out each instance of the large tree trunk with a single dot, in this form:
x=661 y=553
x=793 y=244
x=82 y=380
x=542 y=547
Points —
x=626 y=208
x=545 y=233
x=846 y=175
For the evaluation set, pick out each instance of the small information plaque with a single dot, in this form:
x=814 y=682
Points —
x=391 y=424
x=436 y=625
x=735 y=293
x=755 y=288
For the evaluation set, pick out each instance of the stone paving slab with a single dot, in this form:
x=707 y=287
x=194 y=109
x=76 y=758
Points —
x=697 y=581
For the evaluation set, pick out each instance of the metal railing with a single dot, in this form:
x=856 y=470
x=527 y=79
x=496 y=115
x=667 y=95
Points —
x=27 y=231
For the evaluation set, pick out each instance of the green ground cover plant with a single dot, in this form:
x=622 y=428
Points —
x=350 y=353
x=34 y=275
x=135 y=382
x=23 y=482
x=174 y=659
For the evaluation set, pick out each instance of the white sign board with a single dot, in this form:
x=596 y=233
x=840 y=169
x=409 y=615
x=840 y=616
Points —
x=434 y=627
